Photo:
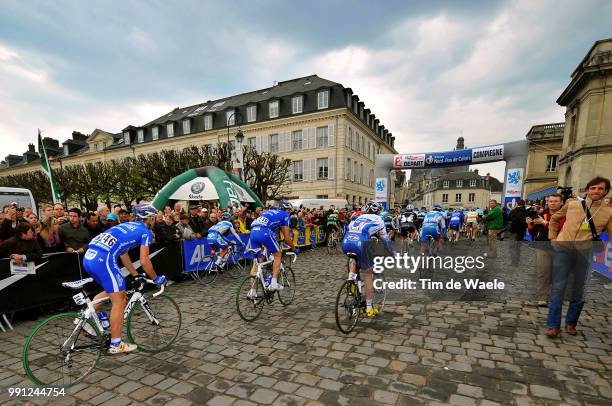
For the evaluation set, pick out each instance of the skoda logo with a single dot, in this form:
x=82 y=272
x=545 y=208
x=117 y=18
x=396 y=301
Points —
x=197 y=188
x=429 y=160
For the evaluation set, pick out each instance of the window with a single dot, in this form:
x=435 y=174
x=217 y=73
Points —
x=445 y=183
x=362 y=176
x=322 y=196
x=252 y=142
x=251 y=113
x=66 y=150
x=298 y=171
x=347 y=169
x=186 y=126
x=459 y=184
x=322 y=168
x=273 y=109
x=274 y=143
x=354 y=177
x=472 y=182
x=155 y=132
x=472 y=197
x=140 y=135
x=96 y=146
x=351 y=139
x=551 y=163
x=445 y=198
x=322 y=137
x=230 y=117
x=296 y=140
x=208 y=121
x=170 y=130
x=323 y=99
x=458 y=197
x=358 y=141
x=296 y=104
x=126 y=138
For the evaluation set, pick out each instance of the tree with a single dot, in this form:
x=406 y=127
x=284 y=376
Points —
x=266 y=174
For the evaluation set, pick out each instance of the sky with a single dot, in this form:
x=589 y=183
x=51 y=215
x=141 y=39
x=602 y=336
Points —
x=431 y=71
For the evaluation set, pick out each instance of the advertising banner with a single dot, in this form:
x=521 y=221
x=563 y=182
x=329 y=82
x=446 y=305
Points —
x=488 y=153
x=409 y=161
x=196 y=253
x=514 y=182
x=449 y=158
x=380 y=192
x=468 y=156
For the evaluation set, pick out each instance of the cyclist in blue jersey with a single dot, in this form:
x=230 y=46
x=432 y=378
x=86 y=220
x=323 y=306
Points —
x=263 y=234
x=356 y=244
x=100 y=262
x=434 y=226
x=455 y=224
x=216 y=238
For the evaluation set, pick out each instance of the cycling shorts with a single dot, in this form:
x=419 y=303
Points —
x=262 y=237
x=104 y=269
x=427 y=231
x=331 y=227
x=407 y=229
x=455 y=225
x=216 y=241
x=360 y=247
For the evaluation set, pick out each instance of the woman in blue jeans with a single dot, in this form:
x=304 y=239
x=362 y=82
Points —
x=585 y=219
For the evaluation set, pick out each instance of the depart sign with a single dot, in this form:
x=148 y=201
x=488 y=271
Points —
x=468 y=156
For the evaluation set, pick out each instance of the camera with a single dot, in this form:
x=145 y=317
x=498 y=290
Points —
x=565 y=192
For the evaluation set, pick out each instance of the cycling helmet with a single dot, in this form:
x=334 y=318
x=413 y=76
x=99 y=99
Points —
x=226 y=216
x=372 y=207
x=143 y=211
x=409 y=207
x=437 y=207
x=285 y=205
x=336 y=212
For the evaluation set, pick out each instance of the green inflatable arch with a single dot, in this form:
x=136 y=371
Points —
x=207 y=183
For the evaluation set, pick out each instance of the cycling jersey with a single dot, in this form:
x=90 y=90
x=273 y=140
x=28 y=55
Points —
x=100 y=260
x=359 y=232
x=406 y=220
x=332 y=219
x=433 y=225
x=471 y=217
x=217 y=233
x=264 y=229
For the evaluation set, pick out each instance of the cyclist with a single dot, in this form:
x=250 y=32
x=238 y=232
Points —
x=263 y=234
x=387 y=218
x=420 y=217
x=471 y=221
x=332 y=224
x=216 y=238
x=454 y=226
x=357 y=243
x=100 y=262
x=433 y=226
x=407 y=221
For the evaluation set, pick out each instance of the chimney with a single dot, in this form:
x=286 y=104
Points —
x=31 y=148
x=460 y=144
x=49 y=142
x=77 y=136
x=476 y=171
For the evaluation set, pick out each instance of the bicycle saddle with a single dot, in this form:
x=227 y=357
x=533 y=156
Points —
x=77 y=284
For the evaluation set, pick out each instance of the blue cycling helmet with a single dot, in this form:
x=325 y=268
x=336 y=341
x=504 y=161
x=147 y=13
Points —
x=226 y=216
x=372 y=207
x=437 y=207
x=285 y=205
x=143 y=211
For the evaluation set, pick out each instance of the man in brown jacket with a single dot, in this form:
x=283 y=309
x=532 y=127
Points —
x=574 y=251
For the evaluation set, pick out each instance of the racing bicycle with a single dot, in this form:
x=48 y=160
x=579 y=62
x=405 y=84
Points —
x=332 y=242
x=253 y=291
x=207 y=270
x=64 y=348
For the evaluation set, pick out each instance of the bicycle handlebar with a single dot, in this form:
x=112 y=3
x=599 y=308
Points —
x=161 y=288
x=293 y=254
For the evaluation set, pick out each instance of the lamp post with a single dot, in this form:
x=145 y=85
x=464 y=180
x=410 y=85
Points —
x=236 y=153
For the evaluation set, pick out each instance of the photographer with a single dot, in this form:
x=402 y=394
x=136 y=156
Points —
x=573 y=246
x=518 y=226
x=537 y=224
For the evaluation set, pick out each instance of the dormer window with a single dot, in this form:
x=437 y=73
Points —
x=170 y=130
x=349 y=99
x=126 y=138
x=155 y=132
x=230 y=117
x=323 y=99
x=251 y=113
x=472 y=182
x=297 y=104
x=208 y=122
x=273 y=109
x=186 y=126
x=459 y=183
x=140 y=136
x=445 y=183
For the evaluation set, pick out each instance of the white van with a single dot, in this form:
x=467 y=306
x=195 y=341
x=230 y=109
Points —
x=317 y=203
x=23 y=197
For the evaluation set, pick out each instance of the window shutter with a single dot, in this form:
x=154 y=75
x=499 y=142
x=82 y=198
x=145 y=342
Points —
x=331 y=167
x=331 y=133
x=258 y=144
x=264 y=143
x=306 y=169
x=313 y=169
x=288 y=142
x=346 y=136
x=312 y=137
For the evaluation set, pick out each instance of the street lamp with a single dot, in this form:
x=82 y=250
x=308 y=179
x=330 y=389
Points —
x=236 y=153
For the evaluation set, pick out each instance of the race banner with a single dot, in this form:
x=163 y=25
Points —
x=514 y=182
x=450 y=158
x=468 y=156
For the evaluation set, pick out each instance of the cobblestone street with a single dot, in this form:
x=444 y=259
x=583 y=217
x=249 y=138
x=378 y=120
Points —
x=444 y=352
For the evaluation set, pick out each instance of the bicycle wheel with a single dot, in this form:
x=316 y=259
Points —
x=205 y=272
x=380 y=293
x=58 y=354
x=148 y=335
x=250 y=298
x=347 y=307
x=287 y=279
x=330 y=245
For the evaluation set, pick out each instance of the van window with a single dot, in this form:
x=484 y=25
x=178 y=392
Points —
x=22 y=198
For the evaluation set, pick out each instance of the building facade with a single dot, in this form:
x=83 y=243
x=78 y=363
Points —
x=587 y=141
x=541 y=172
x=327 y=132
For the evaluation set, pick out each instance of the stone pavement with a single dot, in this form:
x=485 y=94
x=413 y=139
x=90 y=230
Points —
x=443 y=352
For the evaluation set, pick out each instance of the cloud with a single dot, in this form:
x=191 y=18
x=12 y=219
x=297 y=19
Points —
x=141 y=41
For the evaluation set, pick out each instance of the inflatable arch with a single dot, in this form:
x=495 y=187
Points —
x=514 y=153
